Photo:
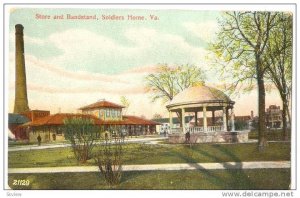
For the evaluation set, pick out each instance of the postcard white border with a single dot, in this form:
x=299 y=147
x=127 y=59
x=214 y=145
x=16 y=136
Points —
x=209 y=6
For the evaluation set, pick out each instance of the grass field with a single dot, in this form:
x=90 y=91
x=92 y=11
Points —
x=157 y=154
x=271 y=135
x=196 y=179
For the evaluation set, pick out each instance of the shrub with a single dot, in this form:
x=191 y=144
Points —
x=82 y=133
x=241 y=125
x=109 y=160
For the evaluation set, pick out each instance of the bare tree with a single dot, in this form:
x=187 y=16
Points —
x=109 y=159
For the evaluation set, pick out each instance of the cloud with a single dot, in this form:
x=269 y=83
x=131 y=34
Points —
x=88 y=51
x=41 y=72
x=82 y=71
x=78 y=75
x=75 y=90
x=85 y=42
x=32 y=40
x=82 y=50
x=142 y=70
x=27 y=39
x=205 y=30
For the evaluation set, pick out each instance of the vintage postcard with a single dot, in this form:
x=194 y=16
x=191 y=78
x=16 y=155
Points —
x=150 y=97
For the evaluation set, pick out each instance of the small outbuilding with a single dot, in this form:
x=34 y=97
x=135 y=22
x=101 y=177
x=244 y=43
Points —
x=14 y=122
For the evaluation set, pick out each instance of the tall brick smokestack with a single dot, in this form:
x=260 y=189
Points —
x=21 y=101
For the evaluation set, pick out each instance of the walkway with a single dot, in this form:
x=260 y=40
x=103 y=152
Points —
x=162 y=167
x=146 y=140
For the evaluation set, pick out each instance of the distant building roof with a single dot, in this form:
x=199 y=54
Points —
x=14 y=118
x=101 y=104
x=242 y=118
x=35 y=114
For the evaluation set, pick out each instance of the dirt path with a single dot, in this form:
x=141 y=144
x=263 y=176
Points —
x=163 y=167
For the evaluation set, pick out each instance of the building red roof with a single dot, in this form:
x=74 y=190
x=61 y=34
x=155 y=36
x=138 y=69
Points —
x=58 y=119
x=101 y=104
x=130 y=120
x=138 y=120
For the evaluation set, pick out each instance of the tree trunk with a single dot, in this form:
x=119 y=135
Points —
x=284 y=126
x=289 y=116
x=262 y=143
x=285 y=112
x=285 y=103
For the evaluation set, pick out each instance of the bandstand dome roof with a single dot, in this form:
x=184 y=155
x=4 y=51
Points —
x=200 y=94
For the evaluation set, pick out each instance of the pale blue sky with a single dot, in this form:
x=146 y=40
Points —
x=72 y=63
x=170 y=22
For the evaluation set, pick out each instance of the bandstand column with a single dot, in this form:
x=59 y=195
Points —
x=227 y=118
x=196 y=118
x=170 y=120
x=213 y=117
x=224 y=119
x=183 y=120
x=204 y=119
x=232 y=120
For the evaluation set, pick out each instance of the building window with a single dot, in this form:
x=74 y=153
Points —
x=112 y=113
x=107 y=112
x=58 y=131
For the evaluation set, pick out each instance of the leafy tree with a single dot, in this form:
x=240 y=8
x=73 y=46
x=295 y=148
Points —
x=278 y=60
x=241 y=125
x=82 y=133
x=125 y=102
x=169 y=81
x=157 y=116
x=241 y=44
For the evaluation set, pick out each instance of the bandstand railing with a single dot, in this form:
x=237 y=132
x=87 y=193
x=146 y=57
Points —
x=195 y=129
x=176 y=130
x=214 y=128
x=198 y=129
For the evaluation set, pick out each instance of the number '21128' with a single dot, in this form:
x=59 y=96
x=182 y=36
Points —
x=21 y=182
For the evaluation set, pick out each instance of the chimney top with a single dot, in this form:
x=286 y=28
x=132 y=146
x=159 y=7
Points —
x=19 y=28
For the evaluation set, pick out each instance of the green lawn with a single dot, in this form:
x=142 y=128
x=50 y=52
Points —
x=157 y=154
x=271 y=135
x=194 y=179
x=19 y=143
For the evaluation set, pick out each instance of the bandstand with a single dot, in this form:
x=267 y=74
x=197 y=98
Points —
x=205 y=101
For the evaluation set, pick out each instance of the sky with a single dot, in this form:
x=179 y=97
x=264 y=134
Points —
x=72 y=63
